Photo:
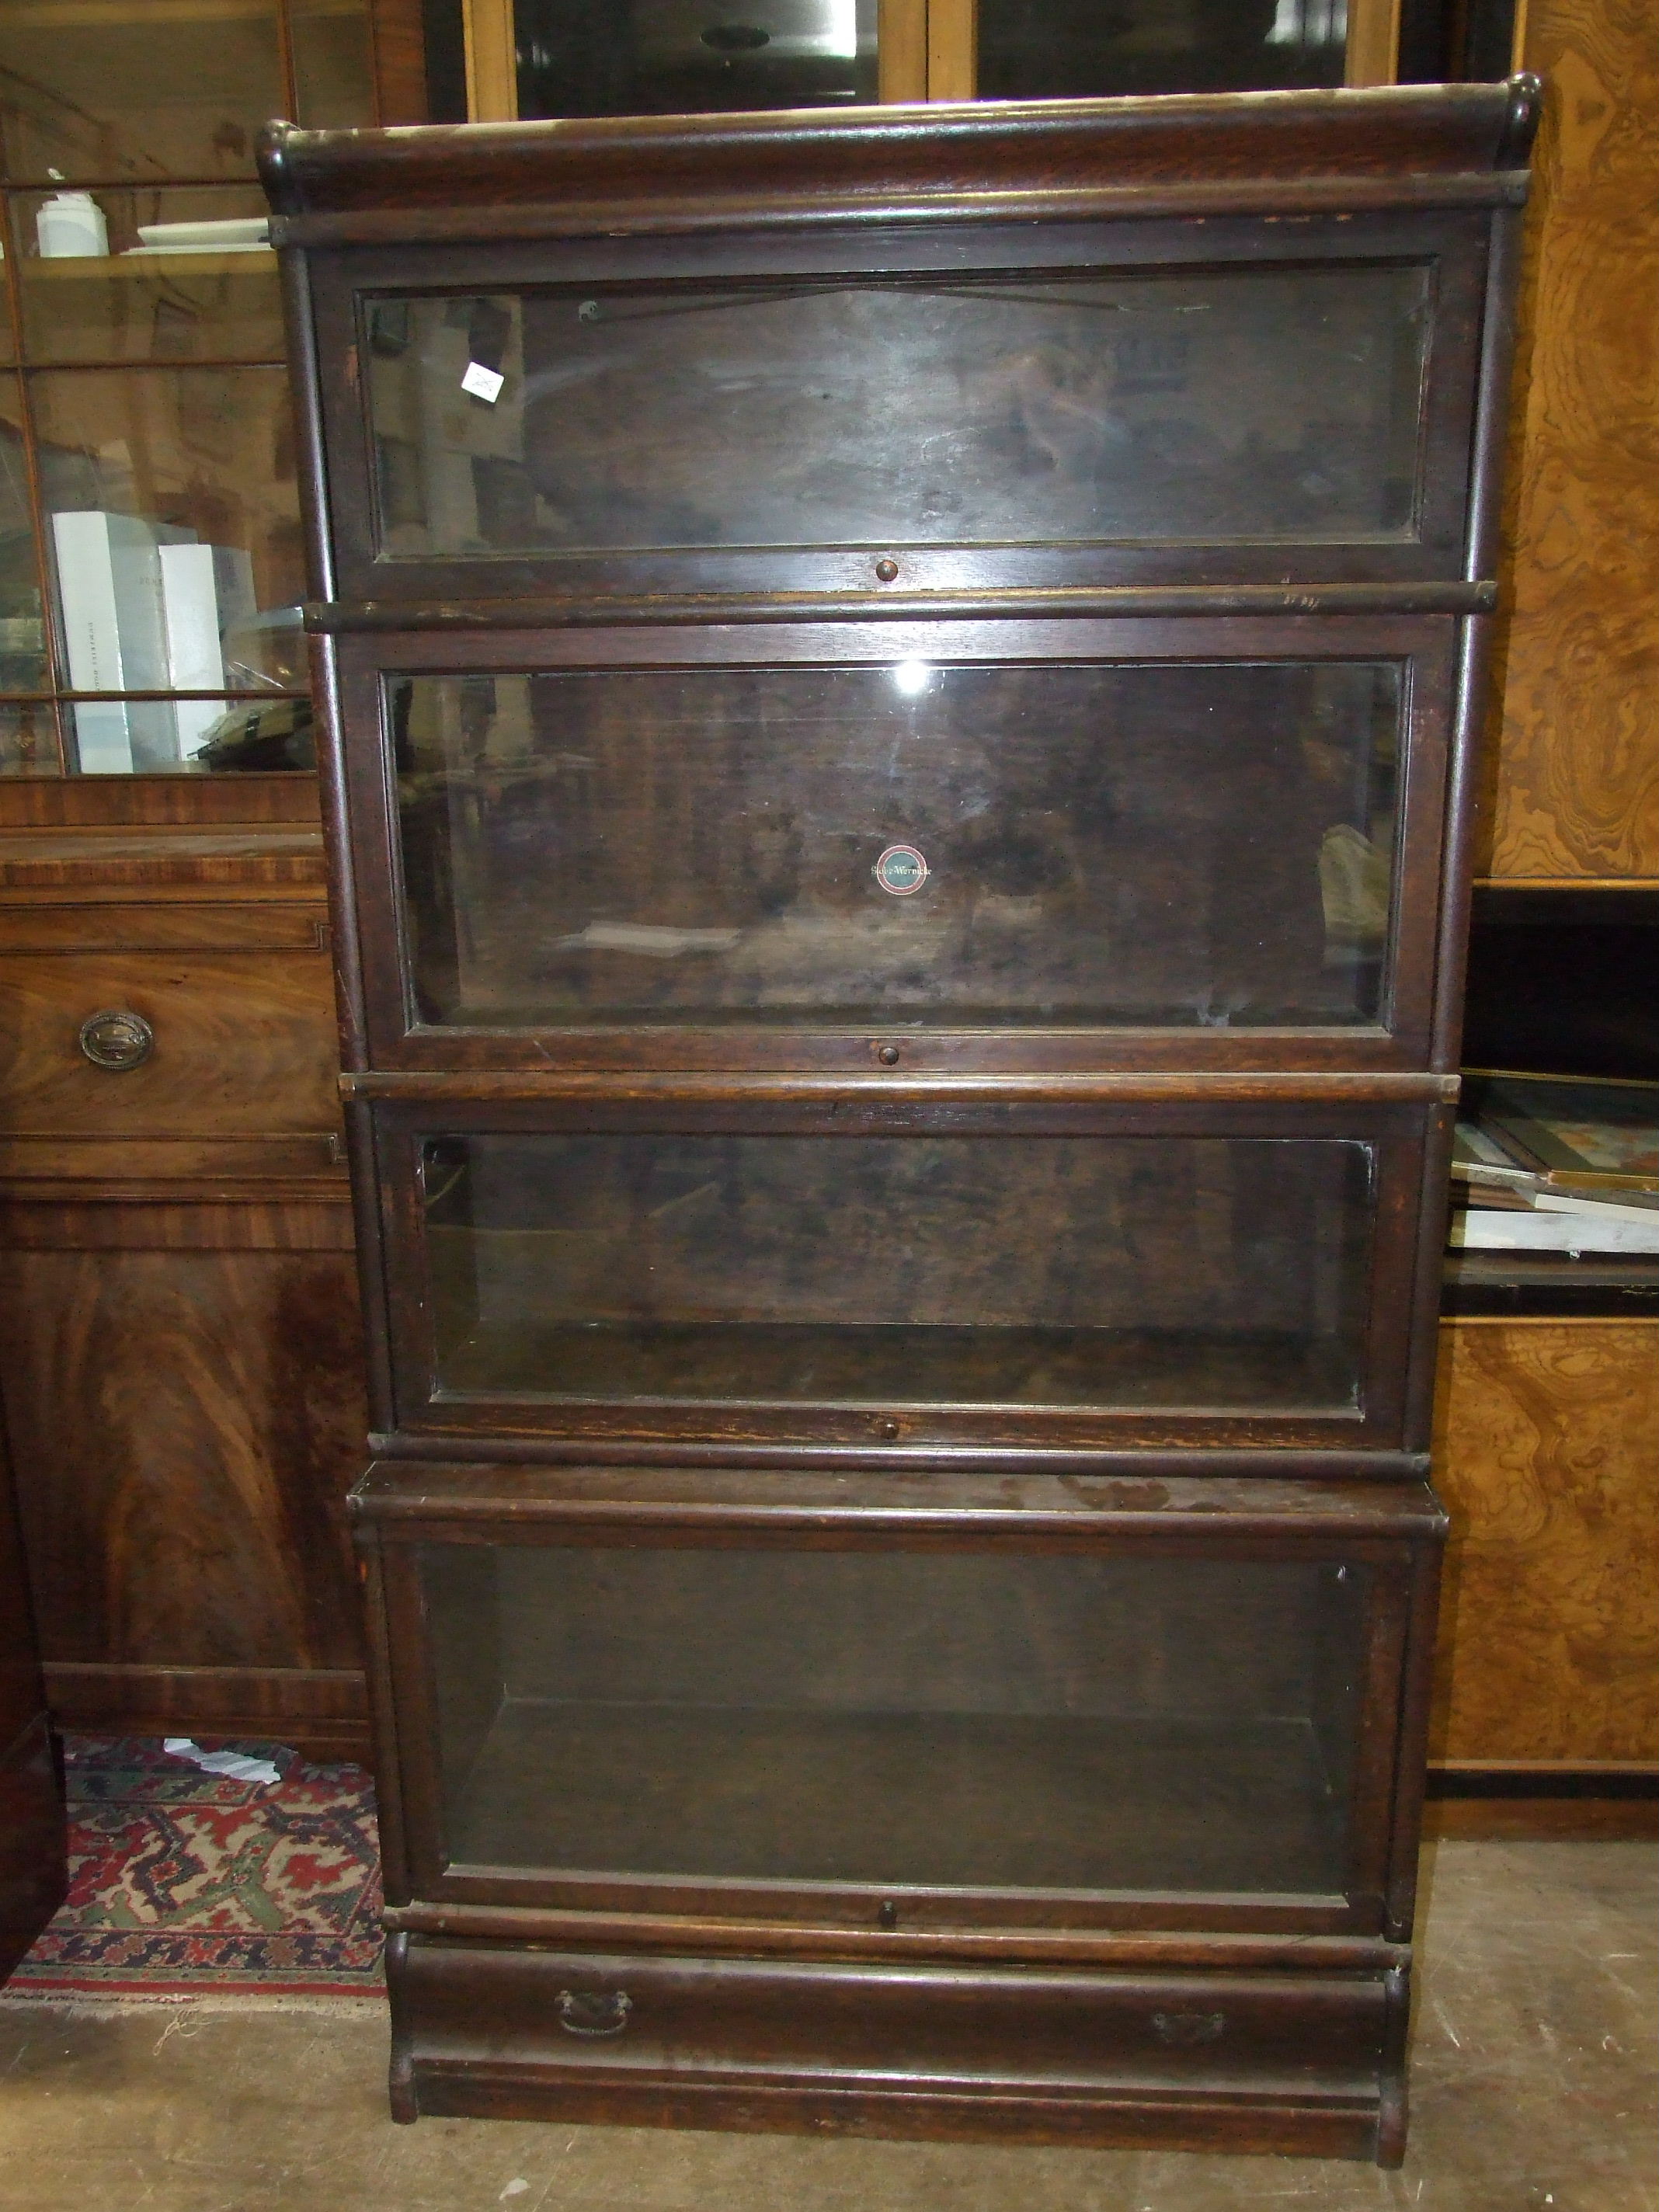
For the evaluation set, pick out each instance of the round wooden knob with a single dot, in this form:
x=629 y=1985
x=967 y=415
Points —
x=117 y=1040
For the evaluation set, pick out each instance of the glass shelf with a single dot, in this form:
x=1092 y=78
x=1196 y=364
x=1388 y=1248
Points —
x=135 y=303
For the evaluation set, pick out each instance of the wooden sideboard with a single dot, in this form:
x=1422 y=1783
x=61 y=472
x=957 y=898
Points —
x=180 y=1350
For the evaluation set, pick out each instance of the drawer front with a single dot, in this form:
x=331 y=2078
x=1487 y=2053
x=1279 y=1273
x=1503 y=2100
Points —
x=233 y=1042
x=869 y=2025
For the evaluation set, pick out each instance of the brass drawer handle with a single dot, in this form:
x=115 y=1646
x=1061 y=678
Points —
x=1186 y=2029
x=117 y=1040
x=594 y=2012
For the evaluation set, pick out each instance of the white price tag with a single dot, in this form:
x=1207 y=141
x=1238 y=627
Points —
x=482 y=383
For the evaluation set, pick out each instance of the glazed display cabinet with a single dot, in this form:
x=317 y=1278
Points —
x=898 y=694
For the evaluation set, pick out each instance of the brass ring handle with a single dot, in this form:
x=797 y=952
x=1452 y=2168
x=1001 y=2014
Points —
x=116 y=1039
x=594 y=2012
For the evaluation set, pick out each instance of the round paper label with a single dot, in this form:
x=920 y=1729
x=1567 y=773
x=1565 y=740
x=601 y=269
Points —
x=900 y=870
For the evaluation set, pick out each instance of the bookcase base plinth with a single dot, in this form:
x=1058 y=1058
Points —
x=1291 y=2064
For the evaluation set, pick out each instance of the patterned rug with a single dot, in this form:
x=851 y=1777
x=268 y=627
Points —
x=188 y=1884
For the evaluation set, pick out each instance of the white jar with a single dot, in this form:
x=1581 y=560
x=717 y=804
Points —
x=69 y=224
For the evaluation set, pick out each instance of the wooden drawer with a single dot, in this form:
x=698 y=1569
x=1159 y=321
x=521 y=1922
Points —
x=790 y=2044
x=244 y=1041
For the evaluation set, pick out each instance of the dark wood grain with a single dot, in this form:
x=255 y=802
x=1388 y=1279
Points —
x=1099 y=2060
x=105 y=802
x=595 y=1749
x=34 y=1865
x=185 y=1422
x=399 y=42
x=897 y=156
x=242 y=1043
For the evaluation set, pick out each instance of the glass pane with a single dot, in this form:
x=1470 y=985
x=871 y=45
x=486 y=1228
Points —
x=1218 y=404
x=333 y=65
x=88 y=89
x=187 y=275
x=1149 y=1274
x=1080 y=49
x=959 y=1720
x=173 y=513
x=692 y=57
x=1185 y=846
x=23 y=637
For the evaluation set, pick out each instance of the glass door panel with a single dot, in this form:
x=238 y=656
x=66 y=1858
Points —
x=1085 y=50
x=97 y=91
x=1178 y=846
x=172 y=518
x=186 y=276
x=957 y=1720
x=1207 y=1275
x=1222 y=405
x=692 y=57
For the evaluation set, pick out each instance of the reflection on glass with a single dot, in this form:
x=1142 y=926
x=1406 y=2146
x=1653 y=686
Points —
x=1083 y=49
x=1208 y=1274
x=186 y=276
x=692 y=57
x=956 y=1720
x=94 y=91
x=1183 y=846
x=175 y=520
x=22 y=639
x=1221 y=405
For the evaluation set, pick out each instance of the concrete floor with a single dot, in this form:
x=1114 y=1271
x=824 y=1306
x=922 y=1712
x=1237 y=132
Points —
x=1532 y=2087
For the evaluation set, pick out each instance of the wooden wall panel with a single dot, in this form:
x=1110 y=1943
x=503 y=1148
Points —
x=184 y=1425
x=1573 y=765
x=1547 y=1453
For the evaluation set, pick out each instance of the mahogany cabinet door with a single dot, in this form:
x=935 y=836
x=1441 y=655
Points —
x=184 y=1396
x=975 y=406
x=999 y=847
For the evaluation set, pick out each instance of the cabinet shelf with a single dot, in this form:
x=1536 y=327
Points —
x=948 y=1799
x=68 y=268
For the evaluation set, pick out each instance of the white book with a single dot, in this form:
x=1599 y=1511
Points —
x=1485 y=1230
x=206 y=590
x=189 y=612
x=109 y=587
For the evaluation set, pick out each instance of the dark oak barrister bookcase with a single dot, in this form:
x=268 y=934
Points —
x=900 y=689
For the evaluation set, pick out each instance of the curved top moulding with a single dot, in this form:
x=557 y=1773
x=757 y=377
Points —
x=1234 y=153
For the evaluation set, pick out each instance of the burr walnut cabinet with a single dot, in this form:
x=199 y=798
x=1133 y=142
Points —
x=897 y=692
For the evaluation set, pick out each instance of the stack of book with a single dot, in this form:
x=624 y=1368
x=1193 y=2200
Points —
x=1547 y=1164
x=145 y=608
